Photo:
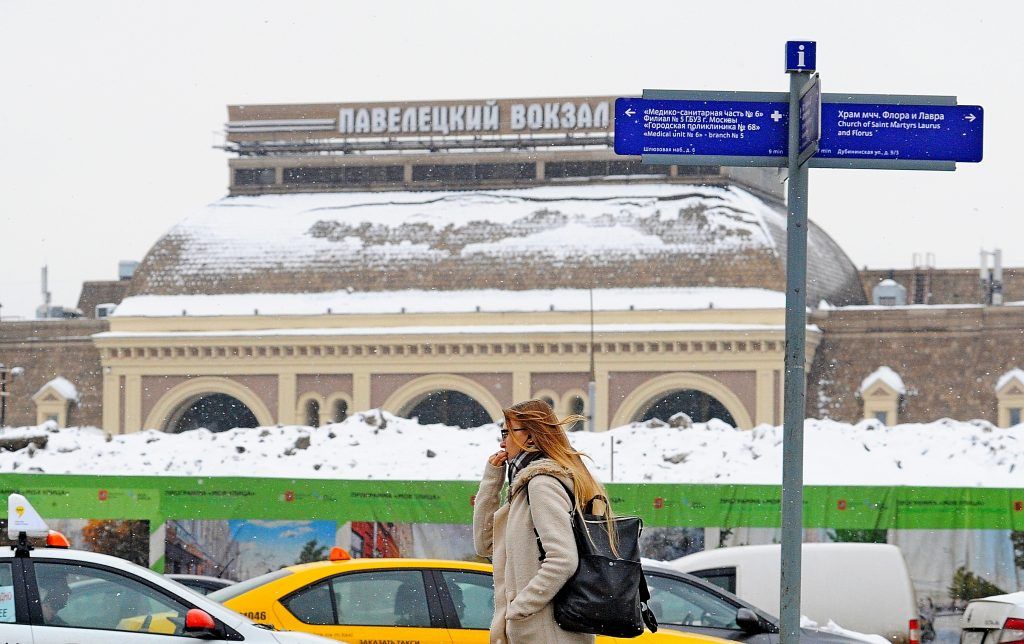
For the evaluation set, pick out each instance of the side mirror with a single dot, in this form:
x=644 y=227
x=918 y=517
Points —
x=199 y=623
x=749 y=621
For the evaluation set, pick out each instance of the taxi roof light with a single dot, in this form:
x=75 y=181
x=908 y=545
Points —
x=57 y=540
x=339 y=554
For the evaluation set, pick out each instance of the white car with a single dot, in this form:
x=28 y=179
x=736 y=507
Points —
x=864 y=587
x=54 y=595
x=994 y=620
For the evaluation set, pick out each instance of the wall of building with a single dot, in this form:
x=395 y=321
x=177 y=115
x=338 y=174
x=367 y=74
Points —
x=46 y=349
x=945 y=285
x=153 y=367
x=101 y=292
x=948 y=357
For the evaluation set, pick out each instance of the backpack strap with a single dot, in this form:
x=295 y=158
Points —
x=572 y=510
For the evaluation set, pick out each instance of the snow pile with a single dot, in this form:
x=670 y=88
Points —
x=836 y=629
x=377 y=445
x=887 y=376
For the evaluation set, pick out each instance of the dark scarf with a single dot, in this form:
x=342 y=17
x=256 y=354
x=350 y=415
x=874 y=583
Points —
x=519 y=463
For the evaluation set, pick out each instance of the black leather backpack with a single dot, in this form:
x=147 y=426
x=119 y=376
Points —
x=607 y=595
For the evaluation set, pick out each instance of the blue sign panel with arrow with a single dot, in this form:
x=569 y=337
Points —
x=701 y=128
x=917 y=132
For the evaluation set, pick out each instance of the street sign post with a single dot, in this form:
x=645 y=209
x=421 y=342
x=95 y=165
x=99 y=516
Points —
x=795 y=381
x=797 y=131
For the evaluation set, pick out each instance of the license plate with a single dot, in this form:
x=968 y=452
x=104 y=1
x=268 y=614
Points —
x=972 y=637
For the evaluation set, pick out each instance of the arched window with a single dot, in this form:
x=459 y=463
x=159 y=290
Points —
x=215 y=412
x=577 y=406
x=340 y=410
x=449 y=407
x=313 y=413
x=699 y=406
x=548 y=396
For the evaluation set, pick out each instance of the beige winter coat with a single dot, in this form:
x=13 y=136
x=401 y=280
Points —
x=523 y=585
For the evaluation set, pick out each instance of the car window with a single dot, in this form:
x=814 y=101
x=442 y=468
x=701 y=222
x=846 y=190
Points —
x=676 y=602
x=311 y=605
x=6 y=594
x=381 y=598
x=473 y=596
x=724 y=578
x=83 y=597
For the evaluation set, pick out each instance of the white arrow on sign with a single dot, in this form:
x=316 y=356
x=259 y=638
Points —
x=970 y=117
x=630 y=111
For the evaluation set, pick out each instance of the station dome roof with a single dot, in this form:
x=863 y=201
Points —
x=551 y=237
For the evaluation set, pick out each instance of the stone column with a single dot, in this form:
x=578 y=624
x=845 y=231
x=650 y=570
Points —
x=133 y=404
x=111 y=401
x=286 y=398
x=360 y=391
x=764 y=407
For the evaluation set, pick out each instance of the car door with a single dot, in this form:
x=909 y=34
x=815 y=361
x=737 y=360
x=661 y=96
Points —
x=467 y=599
x=92 y=604
x=688 y=607
x=367 y=606
x=14 y=621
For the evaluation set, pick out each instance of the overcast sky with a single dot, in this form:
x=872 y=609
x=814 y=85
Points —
x=110 y=110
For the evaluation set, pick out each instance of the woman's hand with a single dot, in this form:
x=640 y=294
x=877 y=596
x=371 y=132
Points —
x=498 y=458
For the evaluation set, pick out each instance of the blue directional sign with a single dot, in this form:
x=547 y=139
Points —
x=801 y=56
x=904 y=132
x=700 y=128
x=760 y=129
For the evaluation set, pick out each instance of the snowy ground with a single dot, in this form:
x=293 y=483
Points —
x=377 y=445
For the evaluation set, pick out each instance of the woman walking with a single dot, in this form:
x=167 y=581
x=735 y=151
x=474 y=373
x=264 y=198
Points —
x=539 y=459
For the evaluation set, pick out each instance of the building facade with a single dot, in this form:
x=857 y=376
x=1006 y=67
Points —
x=444 y=260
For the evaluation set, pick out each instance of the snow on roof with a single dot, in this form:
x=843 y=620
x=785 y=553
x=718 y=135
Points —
x=1013 y=374
x=419 y=301
x=369 y=444
x=483 y=329
x=620 y=235
x=63 y=387
x=886 y=375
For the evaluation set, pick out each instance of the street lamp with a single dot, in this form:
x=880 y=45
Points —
x=14 y=373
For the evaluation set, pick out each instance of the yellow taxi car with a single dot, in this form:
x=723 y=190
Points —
x=427 y=601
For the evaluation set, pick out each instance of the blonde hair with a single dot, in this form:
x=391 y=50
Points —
x=549 y=437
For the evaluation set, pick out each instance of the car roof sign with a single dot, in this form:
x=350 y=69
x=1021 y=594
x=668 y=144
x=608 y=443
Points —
x=23 y=518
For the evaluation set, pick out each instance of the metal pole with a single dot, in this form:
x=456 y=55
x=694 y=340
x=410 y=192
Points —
x=793 y=419
x=3 y=396
x=592 y=385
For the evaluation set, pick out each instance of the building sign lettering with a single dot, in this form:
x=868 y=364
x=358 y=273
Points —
x=433 y=119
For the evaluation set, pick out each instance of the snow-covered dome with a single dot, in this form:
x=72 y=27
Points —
x=552 y=237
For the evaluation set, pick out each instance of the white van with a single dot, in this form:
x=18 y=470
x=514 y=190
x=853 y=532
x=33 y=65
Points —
x=862 y=587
